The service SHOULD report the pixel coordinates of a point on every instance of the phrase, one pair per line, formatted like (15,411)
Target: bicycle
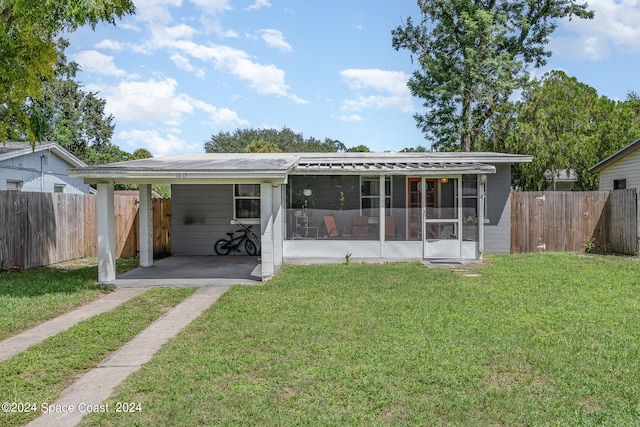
(251,242)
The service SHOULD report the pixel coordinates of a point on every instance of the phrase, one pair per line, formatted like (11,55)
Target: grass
(548,339)
(39,294)
(39,374)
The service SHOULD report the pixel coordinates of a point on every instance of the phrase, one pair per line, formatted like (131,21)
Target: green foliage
(563,124)
(359,149)
(472,56)
(262,146)
(74,118)
(285,140)
(28,29)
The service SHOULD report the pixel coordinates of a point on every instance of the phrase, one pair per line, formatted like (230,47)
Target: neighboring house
(42,169)
(620,170)
(318,207)
(564,180)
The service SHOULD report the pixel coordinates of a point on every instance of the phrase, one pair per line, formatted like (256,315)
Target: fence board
(44,228)
(563,221)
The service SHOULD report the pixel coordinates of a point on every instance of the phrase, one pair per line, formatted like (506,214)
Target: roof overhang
(222,168)
(615,156)
(39,147)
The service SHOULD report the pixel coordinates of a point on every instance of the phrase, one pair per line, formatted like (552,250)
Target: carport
(176,271)
(203,180)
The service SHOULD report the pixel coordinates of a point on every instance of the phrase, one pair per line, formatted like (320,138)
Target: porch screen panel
(442,209)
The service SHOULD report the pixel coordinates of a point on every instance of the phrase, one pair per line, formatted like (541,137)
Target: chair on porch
(360,226)
(390,229)
(332,228)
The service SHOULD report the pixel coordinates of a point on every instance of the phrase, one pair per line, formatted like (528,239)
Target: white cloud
(389,90)
(110,45)
(353,118)
(275,38)
(157,101)
(613,29)
(153,141)
(264,79)
(184,64)
(259,4)
(95,62)
(156,11)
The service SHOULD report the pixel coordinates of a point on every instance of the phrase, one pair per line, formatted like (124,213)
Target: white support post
(381,221)
(482,200)
(106,234)
(145,218)
(278,225)
(266,227)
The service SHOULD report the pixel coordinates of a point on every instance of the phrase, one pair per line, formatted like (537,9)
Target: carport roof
(276,166)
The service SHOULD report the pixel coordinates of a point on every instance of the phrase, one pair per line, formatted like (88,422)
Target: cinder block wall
(497,232)
(200,215)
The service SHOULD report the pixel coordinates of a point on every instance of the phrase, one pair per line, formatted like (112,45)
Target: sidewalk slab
(91,389)
(18,343)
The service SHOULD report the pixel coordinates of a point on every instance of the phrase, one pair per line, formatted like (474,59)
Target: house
(43,169)
(621,169)
(564,179)
(316,207)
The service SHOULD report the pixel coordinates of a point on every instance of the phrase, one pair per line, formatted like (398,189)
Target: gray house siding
(627,167)
(38,173)
(200,215)
(497,229)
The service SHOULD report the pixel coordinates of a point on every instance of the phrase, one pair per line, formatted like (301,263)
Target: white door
(442,217)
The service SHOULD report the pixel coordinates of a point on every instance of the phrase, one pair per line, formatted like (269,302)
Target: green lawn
(549,339)
(39,374)
(39,294)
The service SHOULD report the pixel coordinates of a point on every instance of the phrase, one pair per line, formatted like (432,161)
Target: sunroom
(384,208)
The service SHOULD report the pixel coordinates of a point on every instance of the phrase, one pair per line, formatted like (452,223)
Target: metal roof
(278,166)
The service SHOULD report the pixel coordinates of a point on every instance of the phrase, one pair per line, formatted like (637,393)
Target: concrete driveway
(194,271)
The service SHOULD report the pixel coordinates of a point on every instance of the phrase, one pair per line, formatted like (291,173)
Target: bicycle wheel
(250,247)
(222,247)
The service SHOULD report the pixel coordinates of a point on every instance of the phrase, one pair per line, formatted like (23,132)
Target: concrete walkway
(91,389)
(19,343)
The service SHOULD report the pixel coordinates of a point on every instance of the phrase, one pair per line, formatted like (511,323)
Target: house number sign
(181,175)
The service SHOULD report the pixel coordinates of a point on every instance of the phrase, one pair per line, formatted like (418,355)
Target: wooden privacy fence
(555,221)
(39,229)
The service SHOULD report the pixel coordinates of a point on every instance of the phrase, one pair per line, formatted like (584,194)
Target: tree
(28,29)
(261,146)
(359,149)
(285,140)
(563,124)
(72,117)
(473,55)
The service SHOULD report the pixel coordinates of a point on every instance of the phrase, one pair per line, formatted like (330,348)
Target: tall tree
(285,140)
(473,54)
(28,29)
(563,124)
(72,117)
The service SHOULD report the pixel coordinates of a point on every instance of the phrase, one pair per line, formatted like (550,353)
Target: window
(619,184)
(58,188)
(370,196)
(14,185)
(246,201)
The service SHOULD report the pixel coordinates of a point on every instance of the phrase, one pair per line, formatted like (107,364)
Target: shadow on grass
(64,278)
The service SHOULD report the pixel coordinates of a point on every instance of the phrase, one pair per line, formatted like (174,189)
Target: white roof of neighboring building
(10,150)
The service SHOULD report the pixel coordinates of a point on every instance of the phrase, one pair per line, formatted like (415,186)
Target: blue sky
(180,71)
